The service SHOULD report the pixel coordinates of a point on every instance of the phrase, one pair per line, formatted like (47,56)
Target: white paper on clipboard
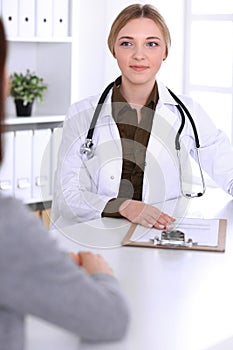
(202,231)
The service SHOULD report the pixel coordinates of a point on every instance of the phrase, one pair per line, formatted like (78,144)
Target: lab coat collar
(164,98)
(106,110)
(164,95)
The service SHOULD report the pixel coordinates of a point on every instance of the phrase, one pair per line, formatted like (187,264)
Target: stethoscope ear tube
(181,104)
(87,148)
(177,139)
(97,111)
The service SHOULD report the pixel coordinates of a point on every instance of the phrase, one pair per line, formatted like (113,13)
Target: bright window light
(211,53)
(212,7)
(219,108)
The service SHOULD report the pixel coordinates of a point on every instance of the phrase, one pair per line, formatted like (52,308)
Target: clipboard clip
(173,238)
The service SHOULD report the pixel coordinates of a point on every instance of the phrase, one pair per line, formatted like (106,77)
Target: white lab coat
(83,187)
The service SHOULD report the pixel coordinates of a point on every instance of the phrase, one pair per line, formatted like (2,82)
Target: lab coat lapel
(161,180)
(105,166)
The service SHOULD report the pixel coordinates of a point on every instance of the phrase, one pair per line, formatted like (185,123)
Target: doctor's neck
(136,94)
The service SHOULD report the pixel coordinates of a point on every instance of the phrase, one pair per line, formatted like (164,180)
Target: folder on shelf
(60,18)
(23,163)
(44,17)
(10,16)
(55,144)
(187,234)
(41,164)
(7,166)
(26,18)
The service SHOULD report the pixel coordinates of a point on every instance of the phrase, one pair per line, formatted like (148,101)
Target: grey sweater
(38,279)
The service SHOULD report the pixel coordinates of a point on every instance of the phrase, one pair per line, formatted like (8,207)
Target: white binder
(60,18)
(23,164)
(26,18)
(7,166)
(56,141)
(44,17)
(10,16)
(41,164)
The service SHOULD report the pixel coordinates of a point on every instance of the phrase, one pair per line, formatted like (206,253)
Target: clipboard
(211,244)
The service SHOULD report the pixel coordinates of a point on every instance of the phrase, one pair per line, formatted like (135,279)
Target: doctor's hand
(91,263)
(145,214)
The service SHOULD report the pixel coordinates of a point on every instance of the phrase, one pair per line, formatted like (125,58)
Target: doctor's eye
(126,43)
(152,44)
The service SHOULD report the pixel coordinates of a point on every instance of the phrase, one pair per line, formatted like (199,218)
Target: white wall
(89,48)
(95,65)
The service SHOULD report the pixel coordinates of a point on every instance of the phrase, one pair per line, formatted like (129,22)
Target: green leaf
(27,87)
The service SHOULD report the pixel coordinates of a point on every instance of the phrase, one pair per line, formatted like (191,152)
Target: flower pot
(21,110)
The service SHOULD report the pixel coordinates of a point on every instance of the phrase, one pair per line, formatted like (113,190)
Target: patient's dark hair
(3,50)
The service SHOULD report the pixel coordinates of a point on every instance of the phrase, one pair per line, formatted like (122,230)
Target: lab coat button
(112,177)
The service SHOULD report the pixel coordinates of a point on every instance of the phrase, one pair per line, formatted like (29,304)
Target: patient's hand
(145,214)
(91,263)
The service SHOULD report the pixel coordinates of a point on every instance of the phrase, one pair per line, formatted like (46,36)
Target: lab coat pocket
(105,175)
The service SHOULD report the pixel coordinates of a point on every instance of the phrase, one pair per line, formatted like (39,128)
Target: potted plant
(25,88)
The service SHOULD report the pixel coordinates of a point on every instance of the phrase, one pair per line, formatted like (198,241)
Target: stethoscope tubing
(182,108)
(88,147)
(180,105)
(97,111)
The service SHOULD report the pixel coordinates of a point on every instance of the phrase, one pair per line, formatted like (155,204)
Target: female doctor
(133,161)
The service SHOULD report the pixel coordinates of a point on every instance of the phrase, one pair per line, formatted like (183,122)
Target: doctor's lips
(138,68)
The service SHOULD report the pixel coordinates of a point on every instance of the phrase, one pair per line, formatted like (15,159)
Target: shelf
(40,205)
(55,40)
(33,123)
(35,119)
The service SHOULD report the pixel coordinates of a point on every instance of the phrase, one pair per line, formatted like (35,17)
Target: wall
(95,65)
(89,47)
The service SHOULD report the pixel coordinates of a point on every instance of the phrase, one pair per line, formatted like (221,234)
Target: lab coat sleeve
(76,196)
(216,151)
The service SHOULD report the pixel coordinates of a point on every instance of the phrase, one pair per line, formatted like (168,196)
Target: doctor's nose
(139,52)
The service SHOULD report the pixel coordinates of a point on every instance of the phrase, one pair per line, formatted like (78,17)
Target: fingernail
(170,226)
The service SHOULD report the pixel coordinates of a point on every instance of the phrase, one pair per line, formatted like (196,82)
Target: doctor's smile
(139,68)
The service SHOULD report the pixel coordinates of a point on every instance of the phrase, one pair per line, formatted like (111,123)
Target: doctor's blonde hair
(137,11)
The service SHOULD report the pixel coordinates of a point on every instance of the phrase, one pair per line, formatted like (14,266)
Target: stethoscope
(87,148)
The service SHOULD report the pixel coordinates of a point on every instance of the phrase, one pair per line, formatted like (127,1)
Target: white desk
(180,300)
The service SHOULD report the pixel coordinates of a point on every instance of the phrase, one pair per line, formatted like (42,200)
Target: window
(208,58)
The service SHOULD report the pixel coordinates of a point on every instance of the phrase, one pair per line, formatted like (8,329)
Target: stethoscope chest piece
(87,148)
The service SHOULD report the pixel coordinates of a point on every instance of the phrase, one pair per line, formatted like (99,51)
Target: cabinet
(30,159)
(40,38)
(50,60)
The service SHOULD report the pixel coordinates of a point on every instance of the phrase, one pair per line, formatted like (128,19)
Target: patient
(76,292)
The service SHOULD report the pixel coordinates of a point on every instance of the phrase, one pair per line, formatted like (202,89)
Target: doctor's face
(140,50)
